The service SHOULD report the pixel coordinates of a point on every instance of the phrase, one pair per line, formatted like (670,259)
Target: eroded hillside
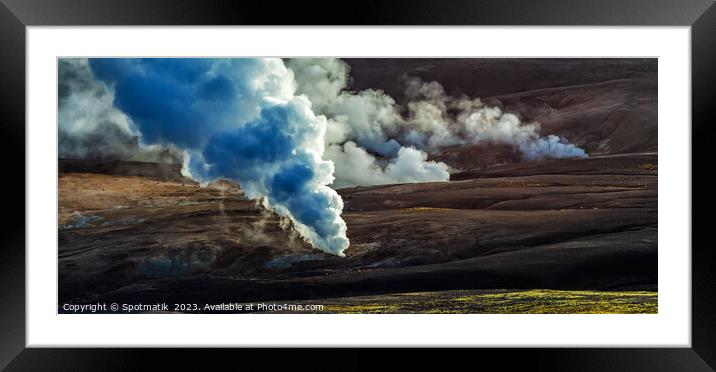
(588,223)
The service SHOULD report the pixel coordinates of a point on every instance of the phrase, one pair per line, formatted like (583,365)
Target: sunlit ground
(536,301)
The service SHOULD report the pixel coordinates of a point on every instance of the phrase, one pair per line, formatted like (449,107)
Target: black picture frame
(16,15)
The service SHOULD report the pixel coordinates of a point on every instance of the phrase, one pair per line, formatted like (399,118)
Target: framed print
(467,175)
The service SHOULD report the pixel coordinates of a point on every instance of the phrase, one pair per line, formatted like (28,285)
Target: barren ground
(588,224)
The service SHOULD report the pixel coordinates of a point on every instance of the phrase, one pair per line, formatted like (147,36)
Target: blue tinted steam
(239,120)
(167,98)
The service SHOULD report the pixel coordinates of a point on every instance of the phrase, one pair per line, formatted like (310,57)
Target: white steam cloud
(374,140)
(239,120)
(358,167)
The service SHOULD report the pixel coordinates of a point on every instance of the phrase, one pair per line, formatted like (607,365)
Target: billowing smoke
(237,119)
(436,120)
(363,136)
(284,130)
(369,136)
(90,127)
(374,140)
(359,167)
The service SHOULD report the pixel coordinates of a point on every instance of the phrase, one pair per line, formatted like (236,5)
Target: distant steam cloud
(363,135)
(237,119)
(358,167)
(369,134)
(432,126)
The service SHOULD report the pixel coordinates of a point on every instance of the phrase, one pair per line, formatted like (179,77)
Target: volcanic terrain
(503,235)
(560,224)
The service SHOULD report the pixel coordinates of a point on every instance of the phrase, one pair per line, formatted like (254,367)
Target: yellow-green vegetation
(649,166)
(536,301)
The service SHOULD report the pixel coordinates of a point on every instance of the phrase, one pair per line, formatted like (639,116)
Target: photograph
(279,185)
(235,181)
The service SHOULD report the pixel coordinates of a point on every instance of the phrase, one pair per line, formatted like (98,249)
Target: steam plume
(237,119)
(367,126)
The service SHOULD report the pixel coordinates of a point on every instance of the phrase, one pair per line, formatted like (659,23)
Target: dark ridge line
(571,237)
(631,228)
(551,194)
(469,178)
